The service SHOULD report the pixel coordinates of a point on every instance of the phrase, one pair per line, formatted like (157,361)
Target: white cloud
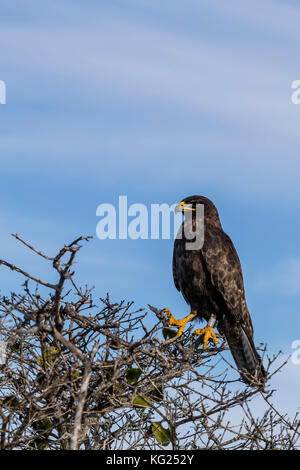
(230,99)
(284,278)
(211,77)
(271,16)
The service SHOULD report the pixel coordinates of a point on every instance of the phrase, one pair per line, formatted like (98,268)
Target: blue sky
(156,101)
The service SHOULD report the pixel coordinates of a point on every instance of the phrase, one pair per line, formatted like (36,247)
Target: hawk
(211,281)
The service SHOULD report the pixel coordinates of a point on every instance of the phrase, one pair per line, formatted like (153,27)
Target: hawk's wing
(174,269)
(224,268)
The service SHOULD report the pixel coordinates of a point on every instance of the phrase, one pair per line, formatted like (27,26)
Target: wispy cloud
(283,278)
(149,63)
(131,89)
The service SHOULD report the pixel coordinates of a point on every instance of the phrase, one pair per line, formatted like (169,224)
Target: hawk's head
(210,211)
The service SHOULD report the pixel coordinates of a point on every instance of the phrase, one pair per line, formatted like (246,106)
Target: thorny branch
(78,373)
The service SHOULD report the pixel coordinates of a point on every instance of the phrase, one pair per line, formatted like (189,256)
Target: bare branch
(87,373)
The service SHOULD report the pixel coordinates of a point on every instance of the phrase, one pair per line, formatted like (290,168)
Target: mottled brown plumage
(211,281)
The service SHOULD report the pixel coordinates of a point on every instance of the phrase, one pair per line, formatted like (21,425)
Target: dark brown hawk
(211,281)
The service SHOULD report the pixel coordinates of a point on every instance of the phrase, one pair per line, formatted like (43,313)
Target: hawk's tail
(245,355)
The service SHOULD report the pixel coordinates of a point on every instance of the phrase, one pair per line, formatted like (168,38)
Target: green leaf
(141,402)
(157,394)
(15,347)
(121,387)
(117,387)
(49,356)
(133,375)
(169,333)
(39,443)
(162,435)
(40,378)
(10,401)
(42,425)
(42,445)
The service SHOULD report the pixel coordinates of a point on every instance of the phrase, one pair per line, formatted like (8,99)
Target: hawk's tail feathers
(246,358)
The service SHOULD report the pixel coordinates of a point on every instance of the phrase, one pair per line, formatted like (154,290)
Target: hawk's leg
(208,332)
(179,323)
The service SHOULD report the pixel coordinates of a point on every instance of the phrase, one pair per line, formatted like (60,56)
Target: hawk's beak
(179,207)
(183,207)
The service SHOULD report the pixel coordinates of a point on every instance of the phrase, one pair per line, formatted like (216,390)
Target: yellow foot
(209,334)
(179,323)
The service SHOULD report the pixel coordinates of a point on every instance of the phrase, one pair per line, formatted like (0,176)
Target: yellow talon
(209,334)
(179,323)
